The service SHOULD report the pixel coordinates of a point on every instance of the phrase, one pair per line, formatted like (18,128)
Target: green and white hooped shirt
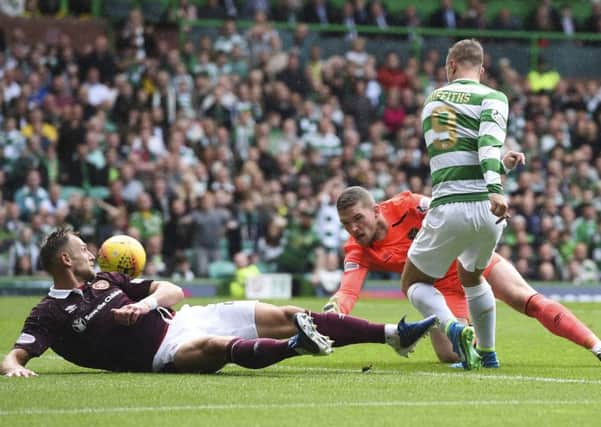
(464,125)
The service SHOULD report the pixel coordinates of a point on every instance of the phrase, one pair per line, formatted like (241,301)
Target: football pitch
(543,380)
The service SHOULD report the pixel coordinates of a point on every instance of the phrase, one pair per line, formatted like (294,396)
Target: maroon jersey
(79,326)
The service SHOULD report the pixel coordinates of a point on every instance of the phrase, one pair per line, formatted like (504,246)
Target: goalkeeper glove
(331,307)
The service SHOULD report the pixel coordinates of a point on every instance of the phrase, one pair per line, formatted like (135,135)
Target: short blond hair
(467,52)
(353,195)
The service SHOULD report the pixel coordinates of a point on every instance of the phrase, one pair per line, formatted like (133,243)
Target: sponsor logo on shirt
(498,119)
(25,339)
(81,323)
(350,266)
(101,285)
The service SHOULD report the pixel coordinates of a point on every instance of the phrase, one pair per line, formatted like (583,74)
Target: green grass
(544,381)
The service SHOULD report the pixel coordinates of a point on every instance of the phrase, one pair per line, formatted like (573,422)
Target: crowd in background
(542,16)
(236,149)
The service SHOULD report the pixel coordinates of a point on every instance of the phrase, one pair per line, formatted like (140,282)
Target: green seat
(117,10)
(155,10)
(221,269)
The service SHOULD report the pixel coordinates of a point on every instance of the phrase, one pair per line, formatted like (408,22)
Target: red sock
(560,321)
(258,353)
(345,330)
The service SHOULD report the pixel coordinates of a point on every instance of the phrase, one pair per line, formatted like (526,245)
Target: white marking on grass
(458,374)
(298,405)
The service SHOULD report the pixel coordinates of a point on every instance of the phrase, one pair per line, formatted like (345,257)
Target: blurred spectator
(348,20)
(229,38)
(182,271)
(474,16)
(391,74)
(445,16)
(271,245)
(582,268)
(31,196)
(326,278)
(245,269)
(379,17)
(410,17)
(23,254)
(543,78)
(155,264)
(101,59)
(208,229)
(544,17)
(566,21)
(287,11)
(505,20)
(319,12)
(212,9)
(145,219)
(137,37)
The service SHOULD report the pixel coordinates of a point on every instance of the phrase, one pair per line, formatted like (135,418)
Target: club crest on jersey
(71,308)
(101,285)
(79,325)
(350,266)
(412,233)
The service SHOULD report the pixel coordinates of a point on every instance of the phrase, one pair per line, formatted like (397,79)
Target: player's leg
(278,322)
(510,287)
(450,287)
(471,264)
(482,309)
(275,322)
(434,249)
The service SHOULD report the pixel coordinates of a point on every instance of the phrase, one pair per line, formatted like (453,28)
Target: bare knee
(290,310)
(412,274)
(204,355)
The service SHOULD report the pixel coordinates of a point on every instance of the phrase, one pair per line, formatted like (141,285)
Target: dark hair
(52,245)
(353,195)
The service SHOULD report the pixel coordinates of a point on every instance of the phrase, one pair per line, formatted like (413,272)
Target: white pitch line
(459,373)
(270,406)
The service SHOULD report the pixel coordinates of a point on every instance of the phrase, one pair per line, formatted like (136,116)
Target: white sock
(597,348)
(482,306)
(390,330)
(428,301)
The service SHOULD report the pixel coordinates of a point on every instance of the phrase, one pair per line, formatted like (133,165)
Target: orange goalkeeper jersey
(404,214)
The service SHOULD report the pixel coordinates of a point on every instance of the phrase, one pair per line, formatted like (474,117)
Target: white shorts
(463,230)
(235,319)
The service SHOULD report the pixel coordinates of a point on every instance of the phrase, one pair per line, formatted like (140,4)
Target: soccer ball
(123,254)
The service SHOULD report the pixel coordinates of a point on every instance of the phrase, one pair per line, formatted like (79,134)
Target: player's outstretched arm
(162,293)
(14,363)
(347,295)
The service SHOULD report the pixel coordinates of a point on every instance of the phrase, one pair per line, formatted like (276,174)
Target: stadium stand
(247,124)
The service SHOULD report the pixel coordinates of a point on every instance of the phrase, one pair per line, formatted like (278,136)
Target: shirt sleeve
(491,136)
(135,289)
(351,283)
(37,333)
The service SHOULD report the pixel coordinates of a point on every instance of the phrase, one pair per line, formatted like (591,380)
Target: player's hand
(511,159)
(331,307)
(20,371)
(129,314)
(498,205)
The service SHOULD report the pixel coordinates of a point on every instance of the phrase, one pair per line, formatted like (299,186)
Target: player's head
(63,250)
(465,60)
(359,214)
